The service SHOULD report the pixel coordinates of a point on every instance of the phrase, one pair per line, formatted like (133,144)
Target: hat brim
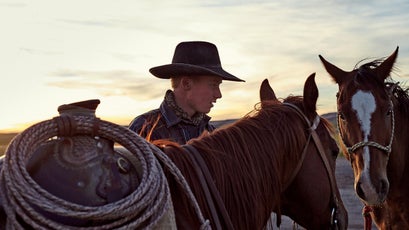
(180,69)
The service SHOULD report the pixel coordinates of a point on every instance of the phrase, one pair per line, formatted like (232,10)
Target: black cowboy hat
(194,58)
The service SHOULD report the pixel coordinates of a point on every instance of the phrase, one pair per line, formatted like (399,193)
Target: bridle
(313,134)
(386,148)
(213,197)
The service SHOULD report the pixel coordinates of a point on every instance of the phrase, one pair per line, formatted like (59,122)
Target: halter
(387,148)
(318,144)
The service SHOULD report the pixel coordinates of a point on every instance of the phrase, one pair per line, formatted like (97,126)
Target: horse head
(366,123)
(315,207)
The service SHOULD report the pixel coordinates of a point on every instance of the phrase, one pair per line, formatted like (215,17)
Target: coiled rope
(144,207)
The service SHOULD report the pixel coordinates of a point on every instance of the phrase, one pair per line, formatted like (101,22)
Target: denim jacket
(169,126)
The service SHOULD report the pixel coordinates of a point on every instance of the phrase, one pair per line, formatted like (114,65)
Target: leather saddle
(82,169)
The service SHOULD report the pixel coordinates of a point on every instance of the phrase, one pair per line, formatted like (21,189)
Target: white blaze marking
(364,105)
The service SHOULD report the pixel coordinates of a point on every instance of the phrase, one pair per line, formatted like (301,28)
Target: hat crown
(194,58)
(197,53)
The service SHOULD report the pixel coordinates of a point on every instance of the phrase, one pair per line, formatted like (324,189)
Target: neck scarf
(171,102)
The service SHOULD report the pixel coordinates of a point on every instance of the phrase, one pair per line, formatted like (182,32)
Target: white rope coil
(144,207)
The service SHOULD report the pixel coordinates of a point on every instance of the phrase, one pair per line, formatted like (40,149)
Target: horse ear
(266,92)
(384,69)
(336,73)
(310,96)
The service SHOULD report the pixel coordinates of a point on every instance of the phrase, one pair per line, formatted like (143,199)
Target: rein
(318,144)
(367,217)
(212,194)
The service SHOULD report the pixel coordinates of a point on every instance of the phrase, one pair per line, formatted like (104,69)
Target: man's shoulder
(141,119)
(149,113)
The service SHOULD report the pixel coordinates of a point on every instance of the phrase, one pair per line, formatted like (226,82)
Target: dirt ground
(345,180)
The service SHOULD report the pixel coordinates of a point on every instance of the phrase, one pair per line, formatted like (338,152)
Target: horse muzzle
(372,192)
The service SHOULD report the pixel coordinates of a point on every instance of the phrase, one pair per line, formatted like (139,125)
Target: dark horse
(265,162)
(373,115)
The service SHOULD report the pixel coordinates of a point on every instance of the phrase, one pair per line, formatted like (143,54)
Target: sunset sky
(57,52)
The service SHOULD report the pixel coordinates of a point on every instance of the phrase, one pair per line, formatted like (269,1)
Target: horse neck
(398,166)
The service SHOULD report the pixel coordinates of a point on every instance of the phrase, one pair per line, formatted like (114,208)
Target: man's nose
(218,93)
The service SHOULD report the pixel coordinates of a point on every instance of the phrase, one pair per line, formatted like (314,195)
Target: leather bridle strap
(323,157)
(329,171)
(212,194)
(298,167)
(318,144)
(324,160)
(386,148)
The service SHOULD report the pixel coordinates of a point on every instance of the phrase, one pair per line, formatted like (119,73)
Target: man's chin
(206,111)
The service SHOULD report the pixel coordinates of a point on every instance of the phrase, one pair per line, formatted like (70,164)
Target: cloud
(13,4)
(93,23)
(39,51)
(109,83)
(105,48)
(130,58)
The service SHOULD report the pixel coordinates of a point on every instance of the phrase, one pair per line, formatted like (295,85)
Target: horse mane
(401,94)
(365,72)
(250,156)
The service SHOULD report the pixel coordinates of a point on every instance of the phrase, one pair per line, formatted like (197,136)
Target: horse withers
(265,162)
(373,115)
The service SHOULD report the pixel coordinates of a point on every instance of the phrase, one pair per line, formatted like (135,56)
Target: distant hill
(332,117)
(220,123)
(5,138)
(329,116)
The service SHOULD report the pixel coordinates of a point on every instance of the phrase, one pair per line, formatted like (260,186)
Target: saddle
(81,164)
(82,169)
(76,170)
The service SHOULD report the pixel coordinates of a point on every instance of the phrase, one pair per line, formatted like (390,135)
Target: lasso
(144,207)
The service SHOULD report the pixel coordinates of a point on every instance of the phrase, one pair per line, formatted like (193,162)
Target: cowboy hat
(194,58)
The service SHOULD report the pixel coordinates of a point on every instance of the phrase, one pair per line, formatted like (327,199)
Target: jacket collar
(172,119)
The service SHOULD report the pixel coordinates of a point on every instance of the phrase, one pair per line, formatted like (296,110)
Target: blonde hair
(175,81)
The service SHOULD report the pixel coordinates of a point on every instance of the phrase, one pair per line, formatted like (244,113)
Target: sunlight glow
(62,52)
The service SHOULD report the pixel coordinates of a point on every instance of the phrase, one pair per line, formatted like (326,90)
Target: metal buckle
(334,220)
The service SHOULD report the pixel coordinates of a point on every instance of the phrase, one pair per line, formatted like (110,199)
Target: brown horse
(373,115)
(280,158)
(265,162)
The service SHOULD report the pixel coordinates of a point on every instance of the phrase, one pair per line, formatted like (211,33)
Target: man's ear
(186,83)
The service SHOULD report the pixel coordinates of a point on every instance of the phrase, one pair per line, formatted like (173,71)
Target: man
(195,74)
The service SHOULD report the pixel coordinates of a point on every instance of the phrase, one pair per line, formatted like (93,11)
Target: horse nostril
(359,190)
(384,187)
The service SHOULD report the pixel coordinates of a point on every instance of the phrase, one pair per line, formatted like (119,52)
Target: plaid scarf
(171,102)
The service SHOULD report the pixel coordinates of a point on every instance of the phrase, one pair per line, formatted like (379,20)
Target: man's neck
(182,103)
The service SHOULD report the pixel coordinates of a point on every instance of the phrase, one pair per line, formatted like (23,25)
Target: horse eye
(389,112)
(335,153)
